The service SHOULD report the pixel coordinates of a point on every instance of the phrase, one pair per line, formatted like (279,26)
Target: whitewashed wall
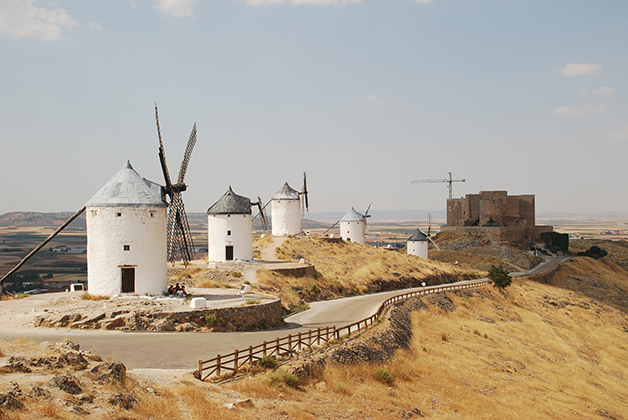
(107,233)
(353,231)
(418,248)
(241,237)
(286,217)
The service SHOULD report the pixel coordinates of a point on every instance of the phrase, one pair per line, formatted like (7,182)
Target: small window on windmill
(127,247)
(228,215)
(228,233)
(118,214)
(152,214)
(94,213)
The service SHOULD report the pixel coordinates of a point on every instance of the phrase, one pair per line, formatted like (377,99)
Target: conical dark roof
(418,236)
(286,193)
(127,188)
(231,203)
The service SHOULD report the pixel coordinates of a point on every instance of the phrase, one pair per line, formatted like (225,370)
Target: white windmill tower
(417,244)
(126,237)
(353,226)
(229,228)
(288,206)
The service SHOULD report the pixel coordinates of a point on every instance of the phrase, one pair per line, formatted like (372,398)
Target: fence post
(264,349)
(277,348)
(299,345)
(309,338)
(235,362)
(218,365)
(200,370)
(336,333)
(289,342)
(251,355)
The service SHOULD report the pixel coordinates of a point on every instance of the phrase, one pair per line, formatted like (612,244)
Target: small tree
(499,276)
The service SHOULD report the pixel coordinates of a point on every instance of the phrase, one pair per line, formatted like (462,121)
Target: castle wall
(491,209)
(455,211)
(504,234)
(526,209)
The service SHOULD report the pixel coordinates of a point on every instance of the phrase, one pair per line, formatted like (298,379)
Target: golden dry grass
(347,268)
(537,352)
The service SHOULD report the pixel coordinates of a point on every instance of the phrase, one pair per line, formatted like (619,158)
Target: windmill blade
(40,246)
(331,227)
(304,192)
(366,213)
(186,243)
(162,154)
(187,155)
(179,235)
(263,208)
(261,213)
(429,224)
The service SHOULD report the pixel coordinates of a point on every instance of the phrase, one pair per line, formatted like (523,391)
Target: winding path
(143,350)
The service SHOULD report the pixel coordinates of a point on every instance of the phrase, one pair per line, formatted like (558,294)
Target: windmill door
(128,280)
(229,253)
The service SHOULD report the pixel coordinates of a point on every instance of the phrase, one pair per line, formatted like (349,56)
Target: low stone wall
(308,271)
(545,277)
(500,233)
(235,318)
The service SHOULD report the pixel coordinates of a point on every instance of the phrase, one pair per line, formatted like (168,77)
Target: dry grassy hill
(347,268)
(538,351)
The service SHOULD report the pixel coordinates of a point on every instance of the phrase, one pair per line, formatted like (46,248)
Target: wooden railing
(291,344)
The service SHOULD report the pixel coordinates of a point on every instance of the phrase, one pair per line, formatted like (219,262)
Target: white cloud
(176,8)
(20,19)
(263,2)
(621,133)
(423,1)
(95,25)
(583,111)
(605,90)
(581,69)
(373,100)
(584,90)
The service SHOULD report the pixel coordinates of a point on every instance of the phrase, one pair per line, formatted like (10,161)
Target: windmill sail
(179,236)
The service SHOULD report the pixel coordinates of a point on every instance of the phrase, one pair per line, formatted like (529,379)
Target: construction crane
(447,180)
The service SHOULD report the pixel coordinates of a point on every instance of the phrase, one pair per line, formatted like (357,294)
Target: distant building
(229,228)
(353,226)
(494,215)
(286,212)
(417,244)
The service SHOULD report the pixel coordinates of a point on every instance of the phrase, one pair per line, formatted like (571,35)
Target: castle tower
(286,212)
(417,244)
(229,228)
(126,237)
(352,227)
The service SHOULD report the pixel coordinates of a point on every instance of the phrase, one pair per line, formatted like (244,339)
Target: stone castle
(494,215)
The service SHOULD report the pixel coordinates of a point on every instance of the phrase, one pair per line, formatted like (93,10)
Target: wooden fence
(293,343)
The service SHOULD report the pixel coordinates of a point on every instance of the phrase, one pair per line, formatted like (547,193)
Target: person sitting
(183,292)
(170,290)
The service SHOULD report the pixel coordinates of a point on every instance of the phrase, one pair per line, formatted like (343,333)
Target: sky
(528,96)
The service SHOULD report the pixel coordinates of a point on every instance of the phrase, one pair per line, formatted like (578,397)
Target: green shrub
(499,276)
(556,241)
(211,319)
(594,252)
(268,362)
(382,375)
(282,378)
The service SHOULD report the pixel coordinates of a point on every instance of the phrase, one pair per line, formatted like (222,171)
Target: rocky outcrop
(237,318)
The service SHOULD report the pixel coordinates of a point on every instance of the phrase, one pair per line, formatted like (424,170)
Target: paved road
(183,350)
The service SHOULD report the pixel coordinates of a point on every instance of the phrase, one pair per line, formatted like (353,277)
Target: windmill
(429,228)
(179,237)
(353,217)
